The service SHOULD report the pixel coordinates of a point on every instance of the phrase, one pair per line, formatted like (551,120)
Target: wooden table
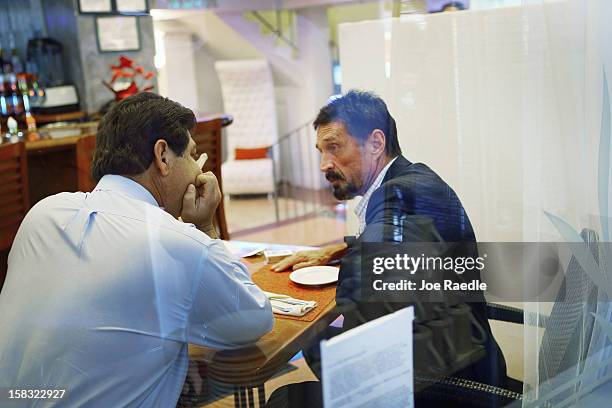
(43,118)
(242,370)
(45,145)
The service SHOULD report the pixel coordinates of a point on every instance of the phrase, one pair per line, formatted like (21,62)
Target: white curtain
(509,106)
(565,83)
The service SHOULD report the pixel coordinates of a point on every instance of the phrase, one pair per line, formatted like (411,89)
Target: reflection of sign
(371,365)
(95,6)
(118,34)
(186,4)
(127,6)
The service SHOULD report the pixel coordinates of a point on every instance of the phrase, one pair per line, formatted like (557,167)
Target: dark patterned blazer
(413,204)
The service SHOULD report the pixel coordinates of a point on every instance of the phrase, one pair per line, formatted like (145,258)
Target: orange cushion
(250,154)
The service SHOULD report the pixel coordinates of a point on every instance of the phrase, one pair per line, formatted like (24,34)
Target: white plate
(315,275)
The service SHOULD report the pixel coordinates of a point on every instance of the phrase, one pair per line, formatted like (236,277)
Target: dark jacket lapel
(396,168)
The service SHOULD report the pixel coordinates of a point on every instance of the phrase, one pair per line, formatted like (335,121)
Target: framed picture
(95,6)
(114,7)
(118,33)
(132,6)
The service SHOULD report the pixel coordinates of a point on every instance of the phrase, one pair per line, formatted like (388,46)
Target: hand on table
(200,201)
(314,257)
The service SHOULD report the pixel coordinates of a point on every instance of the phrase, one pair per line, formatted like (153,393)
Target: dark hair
(128,132)
(361,112)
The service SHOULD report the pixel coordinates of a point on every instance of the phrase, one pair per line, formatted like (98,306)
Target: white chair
(248,95)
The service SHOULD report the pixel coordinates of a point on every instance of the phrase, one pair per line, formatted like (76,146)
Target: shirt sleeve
(228,310)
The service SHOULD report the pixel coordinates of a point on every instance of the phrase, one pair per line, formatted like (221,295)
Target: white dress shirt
(362,205)
(103,292)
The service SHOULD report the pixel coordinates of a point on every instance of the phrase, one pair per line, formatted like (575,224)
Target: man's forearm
(336,251)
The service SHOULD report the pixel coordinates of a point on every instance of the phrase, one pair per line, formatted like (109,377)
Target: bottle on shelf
(19,86)
(17,106)
(32,132)
(7,93)
(13,135)
(8,135)
(32,88)
(24,91)
(4,103)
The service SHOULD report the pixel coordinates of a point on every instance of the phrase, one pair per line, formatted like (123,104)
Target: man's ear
(376,142)
(161,157)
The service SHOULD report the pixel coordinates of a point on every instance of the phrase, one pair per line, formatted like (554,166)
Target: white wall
(492,103)
(211,40)
(312,92)
(302,83)
(488,4)
(180,69)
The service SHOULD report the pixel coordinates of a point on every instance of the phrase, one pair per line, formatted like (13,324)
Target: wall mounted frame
(118,33)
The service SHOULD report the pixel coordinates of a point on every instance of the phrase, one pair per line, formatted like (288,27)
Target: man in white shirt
(105,290)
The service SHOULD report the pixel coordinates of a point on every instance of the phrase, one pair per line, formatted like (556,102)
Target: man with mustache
(401,202)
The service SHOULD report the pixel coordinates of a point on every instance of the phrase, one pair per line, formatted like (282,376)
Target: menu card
(370,365)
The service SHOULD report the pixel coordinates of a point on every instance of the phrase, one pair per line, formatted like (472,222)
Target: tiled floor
(244,213)
(315,230)
(303,223)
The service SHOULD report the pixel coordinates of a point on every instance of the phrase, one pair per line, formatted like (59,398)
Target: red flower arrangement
(128,79)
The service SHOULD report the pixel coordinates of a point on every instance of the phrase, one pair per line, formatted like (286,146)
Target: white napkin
(286,305)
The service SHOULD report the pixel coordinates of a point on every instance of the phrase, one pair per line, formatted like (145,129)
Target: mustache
(333,176)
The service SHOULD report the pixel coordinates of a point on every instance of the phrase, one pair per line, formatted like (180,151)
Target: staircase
(283,58)
(280,23)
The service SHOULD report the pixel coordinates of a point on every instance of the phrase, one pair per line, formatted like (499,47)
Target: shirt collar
(112,182)
(363,203)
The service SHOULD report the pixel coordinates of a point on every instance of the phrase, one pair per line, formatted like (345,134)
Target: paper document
(371,365)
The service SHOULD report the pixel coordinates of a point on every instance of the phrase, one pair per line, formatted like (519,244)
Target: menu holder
(370,365)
